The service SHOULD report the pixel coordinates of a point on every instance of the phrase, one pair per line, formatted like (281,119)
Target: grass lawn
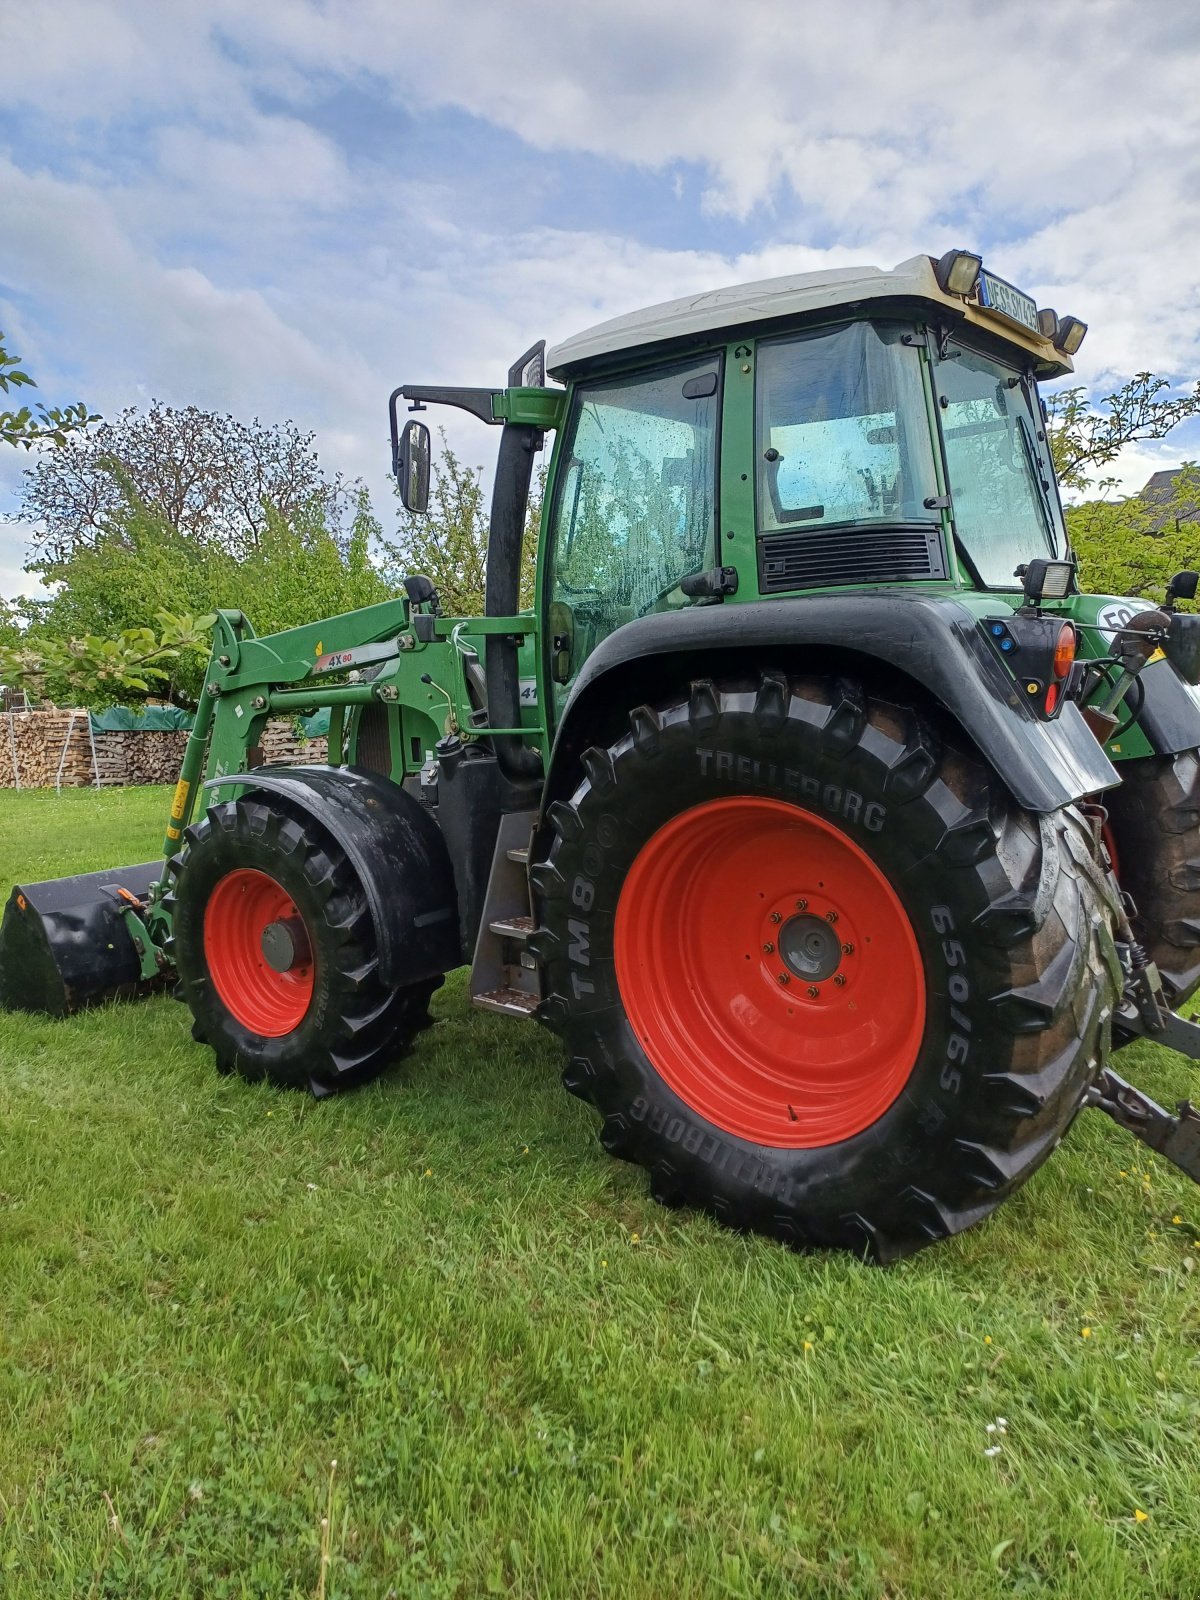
(533,1380)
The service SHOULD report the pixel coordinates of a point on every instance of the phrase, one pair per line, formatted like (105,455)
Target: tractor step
(509,1002)
(504,973)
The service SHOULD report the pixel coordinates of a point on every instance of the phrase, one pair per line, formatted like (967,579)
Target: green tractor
(838,836)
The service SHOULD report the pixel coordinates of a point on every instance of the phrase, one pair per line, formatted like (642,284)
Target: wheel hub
(285,944)
(810,948)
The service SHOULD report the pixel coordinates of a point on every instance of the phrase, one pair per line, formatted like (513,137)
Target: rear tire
(985,945)
(1155,821)
(328,1022)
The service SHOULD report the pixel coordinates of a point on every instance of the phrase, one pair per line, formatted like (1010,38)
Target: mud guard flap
(64,943)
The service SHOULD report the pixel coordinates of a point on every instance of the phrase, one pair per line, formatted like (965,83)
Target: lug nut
(831,916)
(777,916)
(801,905)
(813,991)
(768,949)
(839,978)
(847,949)
(785,977)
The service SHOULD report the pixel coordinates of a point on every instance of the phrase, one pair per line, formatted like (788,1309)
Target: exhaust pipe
(67,943)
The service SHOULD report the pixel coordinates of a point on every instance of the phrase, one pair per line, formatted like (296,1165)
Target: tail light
(1064,656)
(1039,651)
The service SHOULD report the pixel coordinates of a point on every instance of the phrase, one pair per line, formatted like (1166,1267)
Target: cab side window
(635,508)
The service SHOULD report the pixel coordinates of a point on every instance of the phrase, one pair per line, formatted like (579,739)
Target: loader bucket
(64,944)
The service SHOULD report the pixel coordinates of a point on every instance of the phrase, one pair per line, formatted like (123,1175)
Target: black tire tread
(374,1024)
(1044,934)
(1155,819)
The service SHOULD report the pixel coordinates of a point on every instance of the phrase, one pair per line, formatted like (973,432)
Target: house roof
(1160,490)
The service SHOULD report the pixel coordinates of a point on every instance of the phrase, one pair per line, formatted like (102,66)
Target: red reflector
(1052,696)
(1064,652)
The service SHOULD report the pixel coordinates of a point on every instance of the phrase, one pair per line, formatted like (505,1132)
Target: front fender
(396,849)
(931,639)
(1169,715)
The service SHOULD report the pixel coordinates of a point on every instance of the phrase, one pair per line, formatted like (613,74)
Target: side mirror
(412,467)
(1181,587)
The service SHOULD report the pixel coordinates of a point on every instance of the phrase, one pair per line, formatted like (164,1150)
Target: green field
(533,1380)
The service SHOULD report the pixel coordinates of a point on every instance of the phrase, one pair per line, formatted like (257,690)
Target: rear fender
(397,851)
(935,642)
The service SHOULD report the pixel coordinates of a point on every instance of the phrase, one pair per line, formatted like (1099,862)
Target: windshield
(1000,478)
(843,430)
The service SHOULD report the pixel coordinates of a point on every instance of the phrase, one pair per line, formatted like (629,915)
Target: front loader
(839,836)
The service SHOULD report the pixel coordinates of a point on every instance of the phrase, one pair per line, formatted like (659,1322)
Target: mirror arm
(479,402)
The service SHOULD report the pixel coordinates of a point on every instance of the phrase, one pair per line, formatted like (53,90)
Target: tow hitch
(1144,1013)
(1175,1137)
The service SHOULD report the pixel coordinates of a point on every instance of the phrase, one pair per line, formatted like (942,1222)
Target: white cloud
(183,216)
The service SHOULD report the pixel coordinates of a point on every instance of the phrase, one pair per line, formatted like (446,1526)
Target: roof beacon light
(1071,334)
(1047,580)
(958,272)
(1048,323)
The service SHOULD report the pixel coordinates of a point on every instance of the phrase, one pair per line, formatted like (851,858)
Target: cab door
(634,507)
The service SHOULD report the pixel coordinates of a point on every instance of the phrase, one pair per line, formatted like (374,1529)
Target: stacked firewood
(32,751)
(283,745)
(139,756)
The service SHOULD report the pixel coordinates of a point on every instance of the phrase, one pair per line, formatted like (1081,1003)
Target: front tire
(276,952)
(1155,820)
(904,1077)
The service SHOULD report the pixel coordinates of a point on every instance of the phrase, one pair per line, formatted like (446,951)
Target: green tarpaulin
(167,719)
(155,719)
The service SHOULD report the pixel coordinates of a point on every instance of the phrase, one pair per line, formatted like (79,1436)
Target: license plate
(1006,301)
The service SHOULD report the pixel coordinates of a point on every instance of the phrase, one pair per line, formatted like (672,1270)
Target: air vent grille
(829,557)
(374,748)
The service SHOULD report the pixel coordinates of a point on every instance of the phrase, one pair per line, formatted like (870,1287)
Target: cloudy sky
(283,209)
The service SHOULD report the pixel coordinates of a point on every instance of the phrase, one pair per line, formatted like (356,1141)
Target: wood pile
(31,748)
(139,757)
(282,745)
(31,751)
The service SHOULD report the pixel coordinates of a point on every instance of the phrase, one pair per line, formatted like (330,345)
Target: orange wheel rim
(258,954)
(770,972)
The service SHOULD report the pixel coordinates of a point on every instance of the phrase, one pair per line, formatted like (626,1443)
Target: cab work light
(1070,335)
(958,272)
(1046,580)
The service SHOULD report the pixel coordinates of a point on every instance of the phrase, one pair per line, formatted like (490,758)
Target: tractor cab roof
(806,295)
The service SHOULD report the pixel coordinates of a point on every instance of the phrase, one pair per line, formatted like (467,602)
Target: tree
(102,670)
(1131,546)
(1083,438)
(204,476)
(49,425)
(91,642)
(449,542)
